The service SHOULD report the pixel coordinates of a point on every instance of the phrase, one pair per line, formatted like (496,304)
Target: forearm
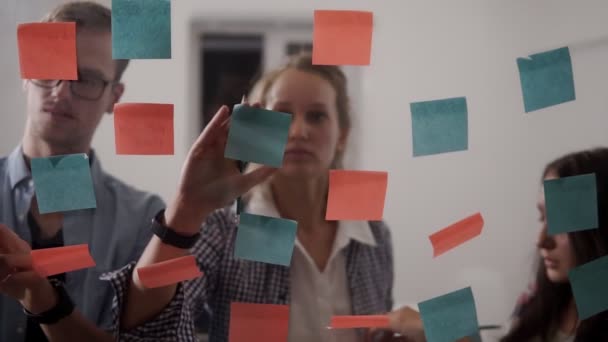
(143,304)
(76,328)
(73,327)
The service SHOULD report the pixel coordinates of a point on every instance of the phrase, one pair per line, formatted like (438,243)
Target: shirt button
(20,330)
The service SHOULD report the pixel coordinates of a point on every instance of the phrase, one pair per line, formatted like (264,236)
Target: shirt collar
(261,202)
(18,170)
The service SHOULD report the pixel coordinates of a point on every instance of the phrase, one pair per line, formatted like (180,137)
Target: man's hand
(17,276)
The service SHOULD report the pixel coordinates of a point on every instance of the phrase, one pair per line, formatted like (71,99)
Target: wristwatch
(62,309)
(170,236)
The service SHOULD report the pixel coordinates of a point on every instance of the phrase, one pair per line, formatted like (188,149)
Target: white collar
(261,202)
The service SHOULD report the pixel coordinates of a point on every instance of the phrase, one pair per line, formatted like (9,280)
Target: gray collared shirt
(117,231)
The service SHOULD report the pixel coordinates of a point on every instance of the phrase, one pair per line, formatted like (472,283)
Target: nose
(62,90)
(545,241)
(298,128)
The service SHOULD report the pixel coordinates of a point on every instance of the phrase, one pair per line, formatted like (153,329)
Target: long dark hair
(541,315)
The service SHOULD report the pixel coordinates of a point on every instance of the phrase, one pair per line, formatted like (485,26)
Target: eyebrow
(93,72)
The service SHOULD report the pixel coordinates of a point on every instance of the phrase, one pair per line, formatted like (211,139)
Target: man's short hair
(87,15)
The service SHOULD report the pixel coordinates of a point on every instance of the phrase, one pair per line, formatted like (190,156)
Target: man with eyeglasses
(62,117)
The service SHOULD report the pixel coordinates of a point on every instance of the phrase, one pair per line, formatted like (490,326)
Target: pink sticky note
(47,51)
(169,272)
(143,128)
(356,195)
(51,261)
(456,234)
(258,322)
(342,37)
(354,322)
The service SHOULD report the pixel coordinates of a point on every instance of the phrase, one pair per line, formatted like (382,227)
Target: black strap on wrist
(169,236)
(62,309)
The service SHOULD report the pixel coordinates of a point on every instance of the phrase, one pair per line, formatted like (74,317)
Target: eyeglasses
(87,88)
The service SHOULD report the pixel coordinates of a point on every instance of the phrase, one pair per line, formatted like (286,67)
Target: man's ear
(117,91)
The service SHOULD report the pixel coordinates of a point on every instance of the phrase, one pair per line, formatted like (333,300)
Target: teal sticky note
(257,135)
(63,183)
(449,317)
(141,29)
(265,239)
(439,126)
(589,284)
(571,204)
(546,79)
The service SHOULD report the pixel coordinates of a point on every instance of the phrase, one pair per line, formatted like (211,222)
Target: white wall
(423,49)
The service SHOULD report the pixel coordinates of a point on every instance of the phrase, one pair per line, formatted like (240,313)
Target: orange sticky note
(356,195)
(169,272)
(258,322)
(456,234)
(354,322)
(143,128)
(51,261)
(342,37)
(47,51)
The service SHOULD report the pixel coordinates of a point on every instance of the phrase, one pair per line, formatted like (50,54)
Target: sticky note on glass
(51,261)
(589,283)
(63,183)
(143,128)
(354,322)
(141,29)
(546,79)
(265,239)
(439,126)
(47,51)
(449,317)
(342,37)
(356,195)
(257,135)
(571,204)
(169,272)
(456,234)
(258,322)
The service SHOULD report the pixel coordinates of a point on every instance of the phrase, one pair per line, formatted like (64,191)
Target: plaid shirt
(227,279)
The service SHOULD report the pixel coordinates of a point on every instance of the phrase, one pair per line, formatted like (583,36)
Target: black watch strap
(169,236)
(62,309)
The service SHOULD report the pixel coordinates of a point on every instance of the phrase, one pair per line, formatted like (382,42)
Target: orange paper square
(356,195)
(51,261)
(354,322)
(258,322)
(47,51)
(456,234)
(143,128)
(342,37)
(169,272)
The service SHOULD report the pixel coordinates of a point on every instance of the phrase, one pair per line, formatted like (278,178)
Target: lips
(297,152)
(550,263)
(58,113)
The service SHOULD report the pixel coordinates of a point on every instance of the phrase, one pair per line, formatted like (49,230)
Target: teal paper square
(449,317)
(141,29)
(439,126)
(63,183)
(258,135)
(590,287)
(265,239)
(571,204)
(546,79)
